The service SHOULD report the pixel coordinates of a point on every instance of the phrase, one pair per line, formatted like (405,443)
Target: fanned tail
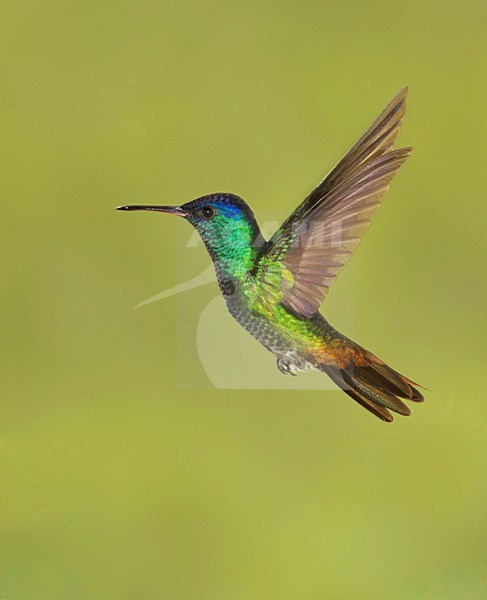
(374,385)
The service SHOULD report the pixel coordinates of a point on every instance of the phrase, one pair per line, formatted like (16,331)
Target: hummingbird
(274,288)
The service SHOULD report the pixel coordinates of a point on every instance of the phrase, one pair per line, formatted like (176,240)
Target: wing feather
(315,242)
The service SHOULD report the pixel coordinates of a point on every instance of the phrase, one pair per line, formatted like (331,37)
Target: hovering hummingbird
(274,288)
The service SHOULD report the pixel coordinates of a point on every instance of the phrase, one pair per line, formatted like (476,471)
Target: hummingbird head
(226,225)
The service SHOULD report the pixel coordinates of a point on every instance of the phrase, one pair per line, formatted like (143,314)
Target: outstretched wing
(304,256)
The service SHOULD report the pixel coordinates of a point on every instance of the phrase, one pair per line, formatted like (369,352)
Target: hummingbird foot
(292,365)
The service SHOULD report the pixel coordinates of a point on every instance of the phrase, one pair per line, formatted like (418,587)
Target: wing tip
(403,92)
(399,98)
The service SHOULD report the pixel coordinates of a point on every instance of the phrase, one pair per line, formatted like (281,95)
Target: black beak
(172,210)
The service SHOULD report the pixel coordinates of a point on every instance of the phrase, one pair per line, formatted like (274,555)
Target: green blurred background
(118,481)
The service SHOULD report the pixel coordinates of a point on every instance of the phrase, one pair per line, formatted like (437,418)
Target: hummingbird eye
(207,212)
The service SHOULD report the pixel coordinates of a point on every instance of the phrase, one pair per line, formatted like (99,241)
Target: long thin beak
(172,210)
